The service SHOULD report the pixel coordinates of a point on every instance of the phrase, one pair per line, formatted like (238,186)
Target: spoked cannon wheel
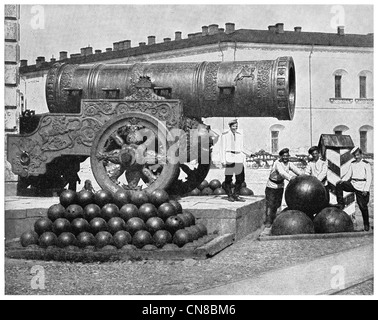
(134,152)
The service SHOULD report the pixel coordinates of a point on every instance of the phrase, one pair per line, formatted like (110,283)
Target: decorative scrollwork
(28,157)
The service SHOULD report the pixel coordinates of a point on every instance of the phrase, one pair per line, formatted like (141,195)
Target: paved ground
(244,259)
(365,288)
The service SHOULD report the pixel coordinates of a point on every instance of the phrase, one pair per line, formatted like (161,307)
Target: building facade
(334,79)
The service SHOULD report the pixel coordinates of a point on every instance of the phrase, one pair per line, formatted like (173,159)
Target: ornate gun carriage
(141,124)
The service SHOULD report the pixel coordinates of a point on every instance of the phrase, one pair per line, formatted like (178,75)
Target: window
(274,135)
(340,129)
(337,86)
(362,87)
(363,141)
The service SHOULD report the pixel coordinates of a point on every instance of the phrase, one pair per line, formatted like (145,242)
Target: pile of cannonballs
(217,188)
(101,220)
(308,210)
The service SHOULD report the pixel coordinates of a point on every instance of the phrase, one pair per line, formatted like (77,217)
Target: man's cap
(232,122)
(312,149)
(285,150)
(355,149)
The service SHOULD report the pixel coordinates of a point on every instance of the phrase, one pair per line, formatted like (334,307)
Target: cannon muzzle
(263,88)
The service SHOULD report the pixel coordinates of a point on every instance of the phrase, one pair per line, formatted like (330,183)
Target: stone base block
(222,216)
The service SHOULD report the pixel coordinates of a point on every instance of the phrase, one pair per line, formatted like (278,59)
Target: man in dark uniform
(233,155)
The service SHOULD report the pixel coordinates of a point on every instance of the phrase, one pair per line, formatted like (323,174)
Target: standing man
(318,168)
(232,156)
(281,171)
(358,180)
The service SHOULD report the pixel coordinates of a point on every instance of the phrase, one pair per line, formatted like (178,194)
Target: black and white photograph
(195,151)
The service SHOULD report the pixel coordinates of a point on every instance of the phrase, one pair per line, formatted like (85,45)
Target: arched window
(366,138)
(341,129)
(365,79)
(338,76)
(275,136)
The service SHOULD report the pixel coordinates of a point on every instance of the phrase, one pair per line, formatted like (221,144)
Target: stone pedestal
(218,214)
(22,212)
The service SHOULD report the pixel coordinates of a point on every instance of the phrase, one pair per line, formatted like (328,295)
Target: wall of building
(11,75)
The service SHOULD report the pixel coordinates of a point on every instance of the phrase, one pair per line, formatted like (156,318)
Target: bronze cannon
(141,124)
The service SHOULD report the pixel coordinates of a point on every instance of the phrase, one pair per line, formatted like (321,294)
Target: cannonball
(292,222)
(333,220)
(307,194)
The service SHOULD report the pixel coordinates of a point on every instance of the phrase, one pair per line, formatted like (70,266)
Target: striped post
(338,164)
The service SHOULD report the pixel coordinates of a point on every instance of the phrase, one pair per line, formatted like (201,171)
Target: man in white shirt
(232,156)
(317,167)
(282,170)
(358,180)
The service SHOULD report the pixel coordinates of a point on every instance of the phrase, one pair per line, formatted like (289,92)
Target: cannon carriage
(141,124)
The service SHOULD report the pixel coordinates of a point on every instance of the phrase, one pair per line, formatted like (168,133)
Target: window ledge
(341,100)
(364,100)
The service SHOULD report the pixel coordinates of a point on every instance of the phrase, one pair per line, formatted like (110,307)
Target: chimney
(221,30)
(340,30)
(63,55)
(213,29)
(52,60)
(297,29)
(127,44)
(279,27)
(178,35)
(88,51)
(115,46)
(108,49)
(97,51)
(141,44)
(82,51)
(205,30)
(272,28)
(23,63)
(230,27)
(151,40)
(167,39)
(75,55)
(39,61)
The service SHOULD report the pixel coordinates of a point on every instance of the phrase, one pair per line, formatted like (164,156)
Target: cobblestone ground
(246,258)
(363,289)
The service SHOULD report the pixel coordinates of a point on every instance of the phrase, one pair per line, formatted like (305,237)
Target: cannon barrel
(264,88)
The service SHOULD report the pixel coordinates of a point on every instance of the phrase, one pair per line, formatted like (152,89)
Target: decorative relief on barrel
(211,88)
(65,81)
(281,85)
(264,68)
(247,71)
(50,86)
